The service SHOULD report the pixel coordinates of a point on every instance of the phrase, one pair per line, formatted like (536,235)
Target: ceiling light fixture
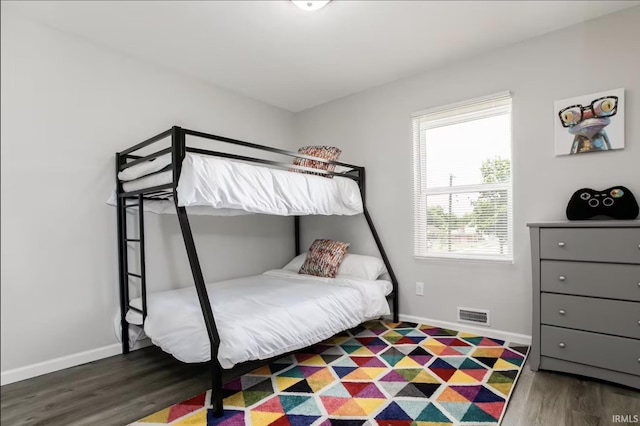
(310,4)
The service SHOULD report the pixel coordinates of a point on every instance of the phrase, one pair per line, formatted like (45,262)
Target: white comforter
(232,187)
(261,316)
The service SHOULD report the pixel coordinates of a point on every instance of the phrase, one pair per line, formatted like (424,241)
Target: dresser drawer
(598,350)
(620,245)
(589,314)
(613,281)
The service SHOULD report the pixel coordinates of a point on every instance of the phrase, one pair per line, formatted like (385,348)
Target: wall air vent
(474,316)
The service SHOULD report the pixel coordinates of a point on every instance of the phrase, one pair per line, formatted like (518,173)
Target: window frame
(445,116)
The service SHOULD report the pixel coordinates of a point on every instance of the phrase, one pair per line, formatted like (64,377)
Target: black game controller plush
(616,203)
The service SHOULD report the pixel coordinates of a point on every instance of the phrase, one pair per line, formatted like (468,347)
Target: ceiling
(294,59)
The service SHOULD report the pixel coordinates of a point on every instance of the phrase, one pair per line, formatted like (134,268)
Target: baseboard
(57,364)
(482,331)
(34,370)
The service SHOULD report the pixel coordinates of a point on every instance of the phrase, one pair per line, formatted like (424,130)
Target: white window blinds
(462,180)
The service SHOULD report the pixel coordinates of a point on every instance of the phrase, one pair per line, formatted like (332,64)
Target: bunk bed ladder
(124,273)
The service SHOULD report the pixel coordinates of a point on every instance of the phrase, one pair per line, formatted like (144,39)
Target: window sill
(470,259)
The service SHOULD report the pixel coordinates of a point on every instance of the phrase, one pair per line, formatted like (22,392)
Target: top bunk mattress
(231,186)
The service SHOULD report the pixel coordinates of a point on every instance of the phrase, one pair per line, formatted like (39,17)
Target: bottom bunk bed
(260,317)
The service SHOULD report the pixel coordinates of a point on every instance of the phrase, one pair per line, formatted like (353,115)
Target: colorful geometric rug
(391,374)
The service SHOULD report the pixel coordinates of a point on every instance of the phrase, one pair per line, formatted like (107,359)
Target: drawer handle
(562,312)
(561,244)
(562,345)
(562,278)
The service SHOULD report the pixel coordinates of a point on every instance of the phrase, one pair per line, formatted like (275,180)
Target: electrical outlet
(419,289)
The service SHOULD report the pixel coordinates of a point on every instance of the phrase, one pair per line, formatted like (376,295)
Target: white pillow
(366,267)
(342,169)
(296,263)
(355,265)
(144,168)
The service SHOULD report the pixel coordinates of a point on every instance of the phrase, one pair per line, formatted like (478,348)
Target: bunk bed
(186,180)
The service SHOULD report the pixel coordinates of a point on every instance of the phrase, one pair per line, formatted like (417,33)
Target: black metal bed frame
(178,150)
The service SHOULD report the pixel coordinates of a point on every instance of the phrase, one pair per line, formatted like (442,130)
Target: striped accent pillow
(324,258)
(326,152)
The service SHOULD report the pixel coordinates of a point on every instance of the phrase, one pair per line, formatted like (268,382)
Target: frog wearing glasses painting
(587,123)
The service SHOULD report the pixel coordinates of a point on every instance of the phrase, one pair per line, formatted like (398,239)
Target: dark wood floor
(122,389)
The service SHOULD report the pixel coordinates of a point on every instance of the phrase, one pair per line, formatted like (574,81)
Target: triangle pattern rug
(379,373)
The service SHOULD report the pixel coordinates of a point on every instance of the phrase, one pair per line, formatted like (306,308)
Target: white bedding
(233,187)
(261,316)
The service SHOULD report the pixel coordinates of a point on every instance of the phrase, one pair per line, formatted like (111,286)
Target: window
(462,180)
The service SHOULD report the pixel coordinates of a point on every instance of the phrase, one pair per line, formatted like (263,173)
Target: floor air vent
(474,316)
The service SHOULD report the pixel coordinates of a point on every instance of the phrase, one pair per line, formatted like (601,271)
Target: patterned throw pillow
(324,258)
(326,152)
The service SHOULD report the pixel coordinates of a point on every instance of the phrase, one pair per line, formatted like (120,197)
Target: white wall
(67,107)
(374,130)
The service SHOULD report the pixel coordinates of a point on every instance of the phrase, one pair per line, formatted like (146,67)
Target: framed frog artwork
(590,123)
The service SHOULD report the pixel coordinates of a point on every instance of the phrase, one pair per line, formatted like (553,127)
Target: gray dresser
(586,299)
